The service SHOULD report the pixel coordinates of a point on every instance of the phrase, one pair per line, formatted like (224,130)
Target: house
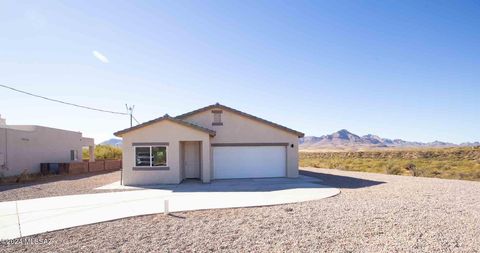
(24,147)
(213,142)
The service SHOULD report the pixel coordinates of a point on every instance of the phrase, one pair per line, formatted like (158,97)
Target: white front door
(191,161)
(249,162)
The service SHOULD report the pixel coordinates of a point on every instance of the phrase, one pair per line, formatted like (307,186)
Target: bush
(413,169)
(104,152)
(24,176)
(393,169)
(440,163)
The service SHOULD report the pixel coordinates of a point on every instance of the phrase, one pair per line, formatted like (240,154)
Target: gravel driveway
(58,186)
(374,213)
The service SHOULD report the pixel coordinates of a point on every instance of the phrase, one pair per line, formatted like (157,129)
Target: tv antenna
(130,112)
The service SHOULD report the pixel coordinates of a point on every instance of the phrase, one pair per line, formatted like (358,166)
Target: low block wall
(113,164)
(76,168)
(96,166)
(80,167)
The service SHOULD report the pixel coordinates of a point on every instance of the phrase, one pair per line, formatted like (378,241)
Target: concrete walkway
(33,216)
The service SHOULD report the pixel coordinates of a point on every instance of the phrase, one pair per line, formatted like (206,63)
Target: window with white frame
(73,155)
(151,156)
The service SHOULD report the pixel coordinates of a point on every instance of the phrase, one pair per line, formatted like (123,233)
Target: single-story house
(24,147)
(213,142)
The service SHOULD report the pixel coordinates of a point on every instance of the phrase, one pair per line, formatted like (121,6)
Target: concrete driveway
(33,216)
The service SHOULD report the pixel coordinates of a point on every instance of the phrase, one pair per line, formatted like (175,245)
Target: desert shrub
(333,164)
(476,175)
(462,175)
(446,167)
(393,169)
(458,162)
(104,152)
(24,176)
(413,169)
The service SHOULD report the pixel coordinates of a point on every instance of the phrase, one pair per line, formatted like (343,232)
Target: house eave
(166,117)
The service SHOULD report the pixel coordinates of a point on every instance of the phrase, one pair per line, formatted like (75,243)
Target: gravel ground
(58,186)
(374,213)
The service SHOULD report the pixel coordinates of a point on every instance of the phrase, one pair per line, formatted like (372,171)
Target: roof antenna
(130,112)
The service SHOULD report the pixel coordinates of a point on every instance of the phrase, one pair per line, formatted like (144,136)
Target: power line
(62,102)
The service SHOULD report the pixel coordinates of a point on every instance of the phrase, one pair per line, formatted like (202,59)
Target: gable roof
(165,117)
(226,108)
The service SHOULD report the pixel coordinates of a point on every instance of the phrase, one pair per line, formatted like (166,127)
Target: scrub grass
(449,163)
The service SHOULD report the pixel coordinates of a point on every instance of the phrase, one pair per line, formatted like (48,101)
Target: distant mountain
(112,142)
(470,144)
(345,140)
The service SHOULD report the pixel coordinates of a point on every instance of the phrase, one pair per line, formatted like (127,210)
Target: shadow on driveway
(231,185)
(341,181)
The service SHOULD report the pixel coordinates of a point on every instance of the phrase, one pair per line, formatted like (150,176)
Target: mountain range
(112,142)
(345,140)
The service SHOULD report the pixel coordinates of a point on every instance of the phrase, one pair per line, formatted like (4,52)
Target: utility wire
(62,102)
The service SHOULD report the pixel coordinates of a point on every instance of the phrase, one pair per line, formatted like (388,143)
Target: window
(151,156)
(159,156)
(73,155)
(217,118)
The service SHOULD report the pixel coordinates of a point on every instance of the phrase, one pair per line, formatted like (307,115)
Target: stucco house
(213,142)
(24,147)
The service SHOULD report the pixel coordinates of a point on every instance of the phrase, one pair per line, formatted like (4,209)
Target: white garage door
(249,162)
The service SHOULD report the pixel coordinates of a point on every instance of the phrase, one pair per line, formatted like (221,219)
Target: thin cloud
(100,57)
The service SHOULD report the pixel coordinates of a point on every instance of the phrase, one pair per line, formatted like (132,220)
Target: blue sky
(398,69)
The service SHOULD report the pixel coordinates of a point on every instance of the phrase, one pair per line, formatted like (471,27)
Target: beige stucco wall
(163,131)
(240,129)
(25,147)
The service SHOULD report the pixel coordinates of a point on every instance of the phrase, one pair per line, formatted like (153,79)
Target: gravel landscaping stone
(58,186)
(374,213)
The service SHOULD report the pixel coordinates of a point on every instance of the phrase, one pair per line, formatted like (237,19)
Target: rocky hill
(345,140)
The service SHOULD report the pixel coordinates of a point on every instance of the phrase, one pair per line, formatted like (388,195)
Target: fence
(80,167)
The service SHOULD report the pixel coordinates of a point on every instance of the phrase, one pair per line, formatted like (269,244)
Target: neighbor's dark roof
(217,105)
(166,117)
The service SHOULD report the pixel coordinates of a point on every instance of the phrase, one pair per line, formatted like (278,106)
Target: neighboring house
(214,142)
(24,147)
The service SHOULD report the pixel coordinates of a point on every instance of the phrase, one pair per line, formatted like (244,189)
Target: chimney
(3,122)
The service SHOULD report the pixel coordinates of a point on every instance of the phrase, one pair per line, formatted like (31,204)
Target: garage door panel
(249,162)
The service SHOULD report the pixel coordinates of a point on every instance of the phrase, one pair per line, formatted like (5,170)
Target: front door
(192,159)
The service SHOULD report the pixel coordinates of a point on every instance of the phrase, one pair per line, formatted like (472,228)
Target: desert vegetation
(451,163)
(104,152)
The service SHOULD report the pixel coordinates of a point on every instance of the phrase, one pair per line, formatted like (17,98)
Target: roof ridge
(181,116)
